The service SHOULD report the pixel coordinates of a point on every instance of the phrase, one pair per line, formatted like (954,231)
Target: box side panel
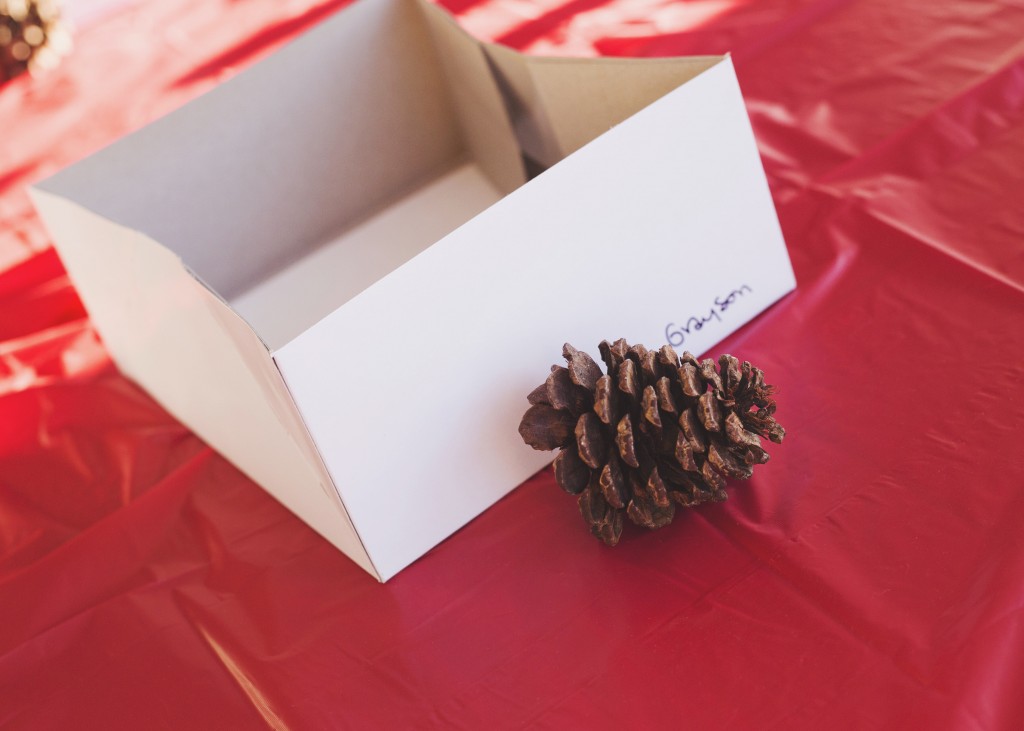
(662,228)
(199,360)
(564,103)
(481,110)
(536,138)
(286,154)
(584,98)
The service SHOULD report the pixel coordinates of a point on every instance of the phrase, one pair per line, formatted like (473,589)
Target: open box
(333,268)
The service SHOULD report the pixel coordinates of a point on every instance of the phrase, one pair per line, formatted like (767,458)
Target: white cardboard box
(333,269)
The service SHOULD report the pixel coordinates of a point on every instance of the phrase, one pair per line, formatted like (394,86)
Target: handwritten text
(676,335)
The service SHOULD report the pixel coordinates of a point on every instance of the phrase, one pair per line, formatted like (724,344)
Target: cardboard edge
(728,64)
(327,473)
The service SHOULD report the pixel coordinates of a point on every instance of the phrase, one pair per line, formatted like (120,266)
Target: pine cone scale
(709,413)
(624,441)
(545,427)
(693,431)
(582,368)
(571,474)
(603,405)
(539,395)
(684,453)
(650,407)
(564,394)
(628,378)
(663,389)
(590,440)
(613,484)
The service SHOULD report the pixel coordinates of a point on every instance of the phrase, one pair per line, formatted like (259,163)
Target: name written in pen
(676,335)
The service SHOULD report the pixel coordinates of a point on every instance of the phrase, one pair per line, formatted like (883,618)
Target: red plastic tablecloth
(872,575)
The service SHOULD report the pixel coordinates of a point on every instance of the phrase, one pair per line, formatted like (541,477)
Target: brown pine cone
(656,432)
(32,36)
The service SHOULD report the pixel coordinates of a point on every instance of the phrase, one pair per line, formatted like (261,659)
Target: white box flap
(199,359)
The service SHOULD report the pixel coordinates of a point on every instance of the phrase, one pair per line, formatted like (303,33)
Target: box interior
(328,276)
(305,179)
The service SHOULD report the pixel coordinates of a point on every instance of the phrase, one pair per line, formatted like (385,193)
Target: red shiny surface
(872,575)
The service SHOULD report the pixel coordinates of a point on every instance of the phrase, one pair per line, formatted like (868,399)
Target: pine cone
(31,36)
(655,433)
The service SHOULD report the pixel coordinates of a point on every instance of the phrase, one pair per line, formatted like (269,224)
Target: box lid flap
(199,359)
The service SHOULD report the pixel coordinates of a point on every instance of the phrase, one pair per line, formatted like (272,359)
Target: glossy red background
(872,575)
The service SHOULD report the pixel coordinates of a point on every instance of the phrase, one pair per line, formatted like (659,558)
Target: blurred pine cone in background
(32,36)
